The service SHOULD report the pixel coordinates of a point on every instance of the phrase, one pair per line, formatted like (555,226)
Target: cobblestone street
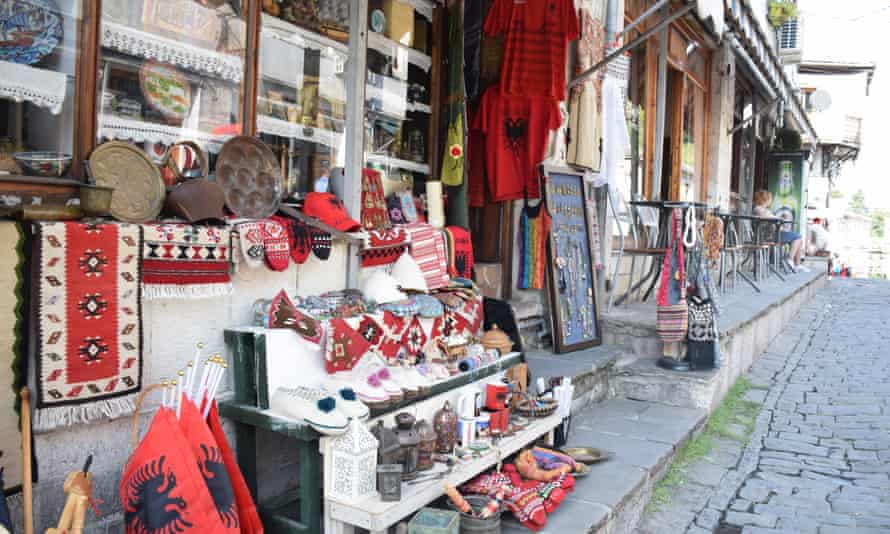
(818,460)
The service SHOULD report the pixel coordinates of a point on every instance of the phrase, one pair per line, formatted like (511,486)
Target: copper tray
(247,171)
(138,189)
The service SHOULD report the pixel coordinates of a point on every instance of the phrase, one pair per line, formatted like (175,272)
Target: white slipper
(369,392)
(349,403)
(406,379)
(314,406)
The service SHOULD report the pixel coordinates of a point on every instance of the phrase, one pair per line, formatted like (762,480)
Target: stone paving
(818,460)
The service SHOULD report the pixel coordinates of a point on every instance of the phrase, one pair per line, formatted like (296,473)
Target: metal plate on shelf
(166,90)
(138,188)
(250,176)
(31,30)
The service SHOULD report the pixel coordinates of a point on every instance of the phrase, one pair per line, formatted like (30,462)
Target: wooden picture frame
(571,276)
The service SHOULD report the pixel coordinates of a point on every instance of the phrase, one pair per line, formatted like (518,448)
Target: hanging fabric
(701,345)
(534,229)
(616,140)
(585,109)
(672,311)
(452,173)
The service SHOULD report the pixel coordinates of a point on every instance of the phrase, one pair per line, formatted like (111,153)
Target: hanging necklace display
(572,278)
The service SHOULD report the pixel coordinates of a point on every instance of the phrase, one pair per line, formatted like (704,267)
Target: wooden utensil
(27,485)
(79,488)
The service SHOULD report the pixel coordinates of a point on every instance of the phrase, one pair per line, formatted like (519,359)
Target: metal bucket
(475,525)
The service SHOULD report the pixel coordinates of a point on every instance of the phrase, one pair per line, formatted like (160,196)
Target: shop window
(398,92)
(170,71)
(39,54)
(692,151)
(301,91)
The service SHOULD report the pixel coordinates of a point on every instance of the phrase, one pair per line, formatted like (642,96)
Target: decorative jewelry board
(572,278)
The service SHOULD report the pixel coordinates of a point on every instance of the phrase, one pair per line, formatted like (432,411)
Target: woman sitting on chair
(762,199)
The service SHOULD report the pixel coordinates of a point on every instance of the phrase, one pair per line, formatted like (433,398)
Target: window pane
(692,152)
(397,93)
(301,99)
(170,71)
(38,58)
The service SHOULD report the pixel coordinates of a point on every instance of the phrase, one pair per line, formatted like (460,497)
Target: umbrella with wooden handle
(27,489)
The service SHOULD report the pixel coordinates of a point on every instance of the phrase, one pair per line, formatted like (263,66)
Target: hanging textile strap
(689,230)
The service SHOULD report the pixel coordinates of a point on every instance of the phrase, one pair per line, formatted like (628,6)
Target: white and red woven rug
(89,360)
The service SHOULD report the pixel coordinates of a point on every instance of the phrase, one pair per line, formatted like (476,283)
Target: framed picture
(571,276)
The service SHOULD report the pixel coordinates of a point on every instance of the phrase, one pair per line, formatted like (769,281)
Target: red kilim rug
(89,320)
(185,261)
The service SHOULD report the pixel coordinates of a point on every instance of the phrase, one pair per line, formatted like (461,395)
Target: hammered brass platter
(138,188)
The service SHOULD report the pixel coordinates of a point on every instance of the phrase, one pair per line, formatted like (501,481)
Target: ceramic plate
(29,30)
(166,90)
(249,174)
(138,188)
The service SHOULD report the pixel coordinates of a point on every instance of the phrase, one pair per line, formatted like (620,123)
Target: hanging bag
(672,319)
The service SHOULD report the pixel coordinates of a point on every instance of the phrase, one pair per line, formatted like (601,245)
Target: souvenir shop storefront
(239,238)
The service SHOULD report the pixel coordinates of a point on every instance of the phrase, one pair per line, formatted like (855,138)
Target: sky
(856,30)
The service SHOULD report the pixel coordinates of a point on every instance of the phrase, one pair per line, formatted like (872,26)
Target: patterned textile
(89,346)
(592,211)
(712,236)
(428,306)
(345,347)
(402,308)
(251,238)
(672,318)
(11,349)
(185,261)
(453,161)
(321,244)
(414,338)
(585,112)
(383,247)
(283,314)
(302,242)
(373,212)
(534,229)
(275,245)
(460,252)
(428,250)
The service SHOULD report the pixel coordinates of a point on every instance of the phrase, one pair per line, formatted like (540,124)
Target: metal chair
(730,250)
(756,251)
(637,233)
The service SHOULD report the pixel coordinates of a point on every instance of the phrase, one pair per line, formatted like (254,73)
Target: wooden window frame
(86,108)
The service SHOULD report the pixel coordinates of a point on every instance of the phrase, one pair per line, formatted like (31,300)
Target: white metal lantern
(351,465)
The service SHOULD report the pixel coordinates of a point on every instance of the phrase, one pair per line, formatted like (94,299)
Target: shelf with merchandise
(115,127)
(384,45)
(397,163)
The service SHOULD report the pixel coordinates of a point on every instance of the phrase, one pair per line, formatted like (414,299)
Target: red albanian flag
(247,513)
(211,465)
(161,490)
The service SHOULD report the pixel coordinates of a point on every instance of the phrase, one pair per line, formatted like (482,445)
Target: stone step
(589,369)
(644,437)
(641,379)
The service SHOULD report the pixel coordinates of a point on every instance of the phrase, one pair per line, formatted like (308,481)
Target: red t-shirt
(537,36)
(516,130)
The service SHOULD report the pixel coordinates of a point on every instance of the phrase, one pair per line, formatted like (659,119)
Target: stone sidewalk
(818,460)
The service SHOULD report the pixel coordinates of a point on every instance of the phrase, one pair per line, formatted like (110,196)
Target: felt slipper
(311,405)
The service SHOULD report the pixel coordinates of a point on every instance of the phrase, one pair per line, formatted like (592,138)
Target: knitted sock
(276,246)
(251,237)
(321,244)
(299,251)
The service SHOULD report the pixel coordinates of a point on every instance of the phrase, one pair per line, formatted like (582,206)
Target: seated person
(818,241)
(762,200)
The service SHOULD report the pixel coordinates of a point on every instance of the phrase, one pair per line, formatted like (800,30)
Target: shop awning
(754,44)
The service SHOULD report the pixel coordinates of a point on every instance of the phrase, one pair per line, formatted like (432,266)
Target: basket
(532,407)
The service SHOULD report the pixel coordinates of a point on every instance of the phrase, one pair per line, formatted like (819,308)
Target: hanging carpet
(185,261)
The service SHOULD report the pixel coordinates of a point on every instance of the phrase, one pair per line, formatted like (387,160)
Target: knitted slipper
(321,244)
(275,243)
(251,237)
(299,250)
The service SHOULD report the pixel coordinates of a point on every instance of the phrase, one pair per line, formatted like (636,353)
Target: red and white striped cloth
(428,250)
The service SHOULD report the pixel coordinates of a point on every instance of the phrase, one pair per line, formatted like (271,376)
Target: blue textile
(788,237)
